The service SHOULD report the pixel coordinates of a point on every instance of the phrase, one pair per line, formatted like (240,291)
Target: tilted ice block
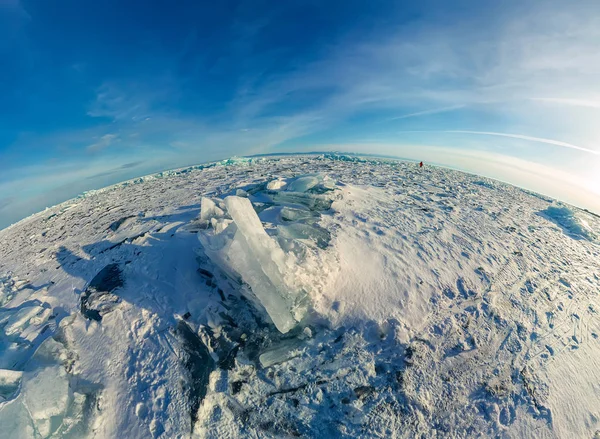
(261,263)
(268,253)
(15,422)
(270,295)
(244,251)
(46,395)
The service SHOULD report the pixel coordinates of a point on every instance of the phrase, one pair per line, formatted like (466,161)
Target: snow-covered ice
(302,296)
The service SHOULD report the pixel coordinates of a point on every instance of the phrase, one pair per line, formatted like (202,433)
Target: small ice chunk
(208,209)
(241,193)
(276,185)
(7,289)
(328,182)
(9,383)
(303,184)
(281,353)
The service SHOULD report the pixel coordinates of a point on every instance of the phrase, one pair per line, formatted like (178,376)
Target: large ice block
(244,251)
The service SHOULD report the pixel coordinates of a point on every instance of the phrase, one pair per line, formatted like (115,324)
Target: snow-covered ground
(410,303)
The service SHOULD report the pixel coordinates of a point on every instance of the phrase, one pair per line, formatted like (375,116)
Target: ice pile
(571,224)
(265,266)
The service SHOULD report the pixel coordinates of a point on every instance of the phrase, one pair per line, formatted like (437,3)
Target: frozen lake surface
(302,296)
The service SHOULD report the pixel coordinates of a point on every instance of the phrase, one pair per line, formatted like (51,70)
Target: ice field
(302,296)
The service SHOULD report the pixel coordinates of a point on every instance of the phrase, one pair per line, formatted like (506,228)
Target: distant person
(421,165)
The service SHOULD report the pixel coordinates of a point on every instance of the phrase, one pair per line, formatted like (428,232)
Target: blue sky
(92,93)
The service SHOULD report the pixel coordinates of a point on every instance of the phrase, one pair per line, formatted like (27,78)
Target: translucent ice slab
(245,252)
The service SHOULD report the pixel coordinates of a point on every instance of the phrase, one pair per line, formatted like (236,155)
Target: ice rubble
(236,241)
(46,402)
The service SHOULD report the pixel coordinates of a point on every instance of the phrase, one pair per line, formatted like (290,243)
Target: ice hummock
(571,224)
(242,249)
(234,238)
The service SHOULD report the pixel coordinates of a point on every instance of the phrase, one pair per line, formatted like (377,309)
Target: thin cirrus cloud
(529,138)
(104,142)
(427,112)
(572,102)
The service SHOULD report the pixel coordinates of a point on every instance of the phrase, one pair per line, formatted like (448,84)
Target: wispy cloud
(133,100)
(499,60)
(6,201)
(528,138)
(427,112)
(586,103)
(131,164)
(115,170)
(104,142)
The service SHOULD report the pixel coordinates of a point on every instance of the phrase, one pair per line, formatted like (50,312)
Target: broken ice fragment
(276,185)
(291,214)
(284,351)
(312,201)
(9,383)
(303,184)
(208,209)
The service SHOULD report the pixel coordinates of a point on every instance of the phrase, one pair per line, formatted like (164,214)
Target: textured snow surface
(417,303)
